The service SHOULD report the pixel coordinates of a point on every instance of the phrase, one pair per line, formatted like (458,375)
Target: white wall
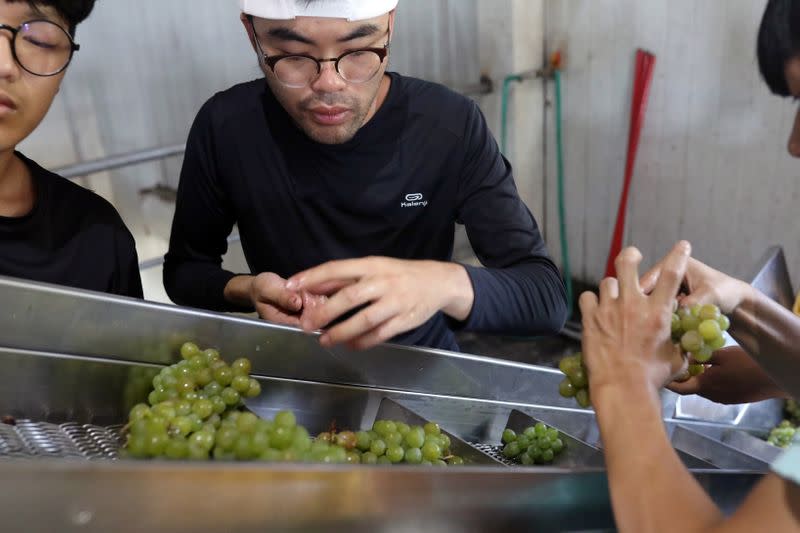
(712,166)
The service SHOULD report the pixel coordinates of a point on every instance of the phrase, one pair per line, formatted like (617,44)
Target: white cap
(341,9)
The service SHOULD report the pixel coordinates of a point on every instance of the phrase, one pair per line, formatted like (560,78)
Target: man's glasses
(300,70)
(41,47)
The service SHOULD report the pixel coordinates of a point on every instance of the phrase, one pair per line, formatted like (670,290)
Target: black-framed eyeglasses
(41,47)
(297,71)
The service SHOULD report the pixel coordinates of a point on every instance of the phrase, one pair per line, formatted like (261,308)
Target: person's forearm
(651,490)
(459,294)
(770,333)
(239,291)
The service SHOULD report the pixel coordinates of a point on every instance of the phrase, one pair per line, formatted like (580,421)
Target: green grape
(223,375)
(181,426)
(675,325)
(339,455)
(717,343)
(456,461)
(704,355)
(415,437)
(383,460)
(696,370)
(566,388)
(169,381)
(271,456)
(395,439)
(191,396)
(241,384)
(425,462)
(197,422)
(413,456)
(395,453)
(219,363)
(363,440)
(348,439)
(369,458)
(545,444)
(523,441)
(318,447)
(432,428)
(226,437)
(689,322)
(218,404)
(213,389)
(196,453)
(281,437)
(709,330)
(183,407)
(254,389)
(243,449)
(185,385)
(301,442)
(241,367)
(203,377)
(164,409)
(540,429)
(202,439)
(198,362)
(511,450)
(177,449)
(247,423)
(259,442)
(137,445)
(353,458)
(445,440)
(378,447)
(157,424)
(552,434)
(439,462)
(218,454)
(189,350)
(724,323)
(692,341)
(402,428)
(138,412)
(583,398)
(431,451)
(230,396)
(534,451)
(547,456)
(578,378)
(156,444)
(203,408)
(211,355)
(557,446)
(695,310)
(509,436)
(530,432)
(325,437)
(285,419)
(526,459)
(567,364)
(709,312)
(233,416)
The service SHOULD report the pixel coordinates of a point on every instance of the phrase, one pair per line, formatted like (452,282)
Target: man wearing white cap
(346,183)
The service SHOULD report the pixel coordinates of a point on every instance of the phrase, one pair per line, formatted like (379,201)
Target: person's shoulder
(449,109)
(69,197)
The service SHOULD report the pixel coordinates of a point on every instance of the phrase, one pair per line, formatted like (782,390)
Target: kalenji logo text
(414,200)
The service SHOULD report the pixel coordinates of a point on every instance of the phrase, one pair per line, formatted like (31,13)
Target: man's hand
(704,285)
(273,302)
(396,296)
(732,377)
(626,333)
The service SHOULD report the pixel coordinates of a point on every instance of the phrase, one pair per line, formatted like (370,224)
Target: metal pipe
(120,161)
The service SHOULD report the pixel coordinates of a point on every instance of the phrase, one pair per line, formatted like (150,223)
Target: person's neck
(383,93)
(17,190)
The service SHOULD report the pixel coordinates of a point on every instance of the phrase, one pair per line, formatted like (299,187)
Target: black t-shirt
(72,237)
(425,162)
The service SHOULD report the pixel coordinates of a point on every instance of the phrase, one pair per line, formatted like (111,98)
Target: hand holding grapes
(626,333)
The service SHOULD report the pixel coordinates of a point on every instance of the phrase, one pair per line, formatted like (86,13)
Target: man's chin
(331,135)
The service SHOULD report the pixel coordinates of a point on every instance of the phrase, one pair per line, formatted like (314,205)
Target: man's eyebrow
(286,34)
(366,30)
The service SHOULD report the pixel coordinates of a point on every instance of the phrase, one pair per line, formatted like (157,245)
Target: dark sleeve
(193,273)
(128,282)
(521,291)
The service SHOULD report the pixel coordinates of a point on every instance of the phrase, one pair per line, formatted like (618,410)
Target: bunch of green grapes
(698,330)
(392,442)
(782,435)
(186,405)
(537,444)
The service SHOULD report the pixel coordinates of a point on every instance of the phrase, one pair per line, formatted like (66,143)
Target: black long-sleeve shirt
(72,237)
(425,162)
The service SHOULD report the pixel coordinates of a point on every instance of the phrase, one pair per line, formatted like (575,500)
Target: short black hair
(72,11)
(779,42)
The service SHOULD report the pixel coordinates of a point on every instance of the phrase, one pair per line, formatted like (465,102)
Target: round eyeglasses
(41,47)
(297,71)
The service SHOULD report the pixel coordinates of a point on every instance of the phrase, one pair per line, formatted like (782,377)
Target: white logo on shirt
(414,200)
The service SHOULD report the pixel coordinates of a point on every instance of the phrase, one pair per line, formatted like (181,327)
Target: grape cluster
(698,330)
(537,444)
(188,404)
(782,435)
(792,411)
(393,442)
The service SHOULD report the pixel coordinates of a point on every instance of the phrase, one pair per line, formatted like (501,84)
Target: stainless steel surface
(29,439)
(772,277)
(713,451)
(751,445)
